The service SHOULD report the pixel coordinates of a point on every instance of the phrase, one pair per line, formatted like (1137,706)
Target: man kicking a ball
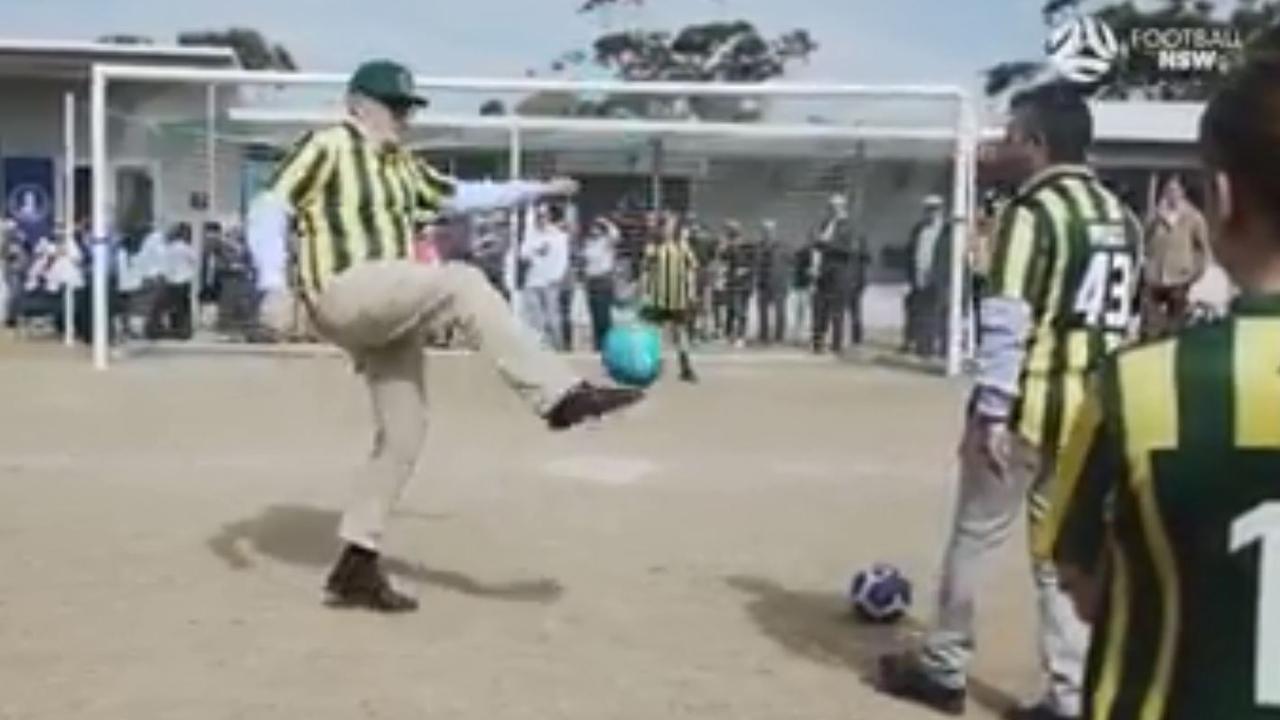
(355,193)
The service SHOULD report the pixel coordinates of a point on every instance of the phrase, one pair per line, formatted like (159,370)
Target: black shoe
(1040,711)
(902,677)
(358,581)
(586,401)
(686,370)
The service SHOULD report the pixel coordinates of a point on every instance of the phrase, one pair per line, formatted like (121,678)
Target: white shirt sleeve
(267,234)
(474,196)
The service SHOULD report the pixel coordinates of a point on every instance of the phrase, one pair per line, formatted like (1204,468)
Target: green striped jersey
(1169,488)
(1068,247)
(670,275)
(354,201)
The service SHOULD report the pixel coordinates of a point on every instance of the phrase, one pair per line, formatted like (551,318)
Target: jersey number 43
(1104,298)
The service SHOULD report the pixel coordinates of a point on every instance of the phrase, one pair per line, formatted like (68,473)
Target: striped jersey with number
(1068,247)
(1170,488)
(354,201)
(670,275)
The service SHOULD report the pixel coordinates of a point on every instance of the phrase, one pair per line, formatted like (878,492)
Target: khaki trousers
(986,511)
(380,312)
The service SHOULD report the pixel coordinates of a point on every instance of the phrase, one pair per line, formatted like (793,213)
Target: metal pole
(211,196)
(961,207)
(68,212)
(514,170)
(98,142)
(655,173)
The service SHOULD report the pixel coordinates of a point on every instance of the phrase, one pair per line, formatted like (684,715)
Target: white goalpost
(751,153)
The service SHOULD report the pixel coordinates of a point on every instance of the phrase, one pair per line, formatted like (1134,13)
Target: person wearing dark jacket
(927,273)
(739,282)
(833,294)
(771,285)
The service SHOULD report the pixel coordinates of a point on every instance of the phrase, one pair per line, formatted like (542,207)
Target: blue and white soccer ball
(880,594)
(1083,49)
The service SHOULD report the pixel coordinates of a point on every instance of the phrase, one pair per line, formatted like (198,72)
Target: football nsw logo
(1087,51)
(1083,50)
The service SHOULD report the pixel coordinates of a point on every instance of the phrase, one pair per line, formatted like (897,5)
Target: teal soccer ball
(632,354)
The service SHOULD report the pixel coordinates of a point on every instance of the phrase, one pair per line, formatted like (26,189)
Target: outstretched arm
(454,196)
(476,196)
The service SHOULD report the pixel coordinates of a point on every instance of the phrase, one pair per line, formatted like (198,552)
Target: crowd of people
(157,280)
(746,286)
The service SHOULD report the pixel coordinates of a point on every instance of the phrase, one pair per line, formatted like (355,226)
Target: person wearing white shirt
(600,256)
(546,250)
(172,267)
(130,287)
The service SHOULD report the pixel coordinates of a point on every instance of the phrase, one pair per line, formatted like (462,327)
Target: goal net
(827,216)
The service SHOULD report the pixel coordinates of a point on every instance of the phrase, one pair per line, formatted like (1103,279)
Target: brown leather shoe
(586,401)
(358,581)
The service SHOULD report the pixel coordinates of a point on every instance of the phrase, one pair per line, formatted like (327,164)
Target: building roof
(75,59)
(1135,122)
(1148,122)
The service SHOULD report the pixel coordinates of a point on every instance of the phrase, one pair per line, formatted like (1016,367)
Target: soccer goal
(756,172)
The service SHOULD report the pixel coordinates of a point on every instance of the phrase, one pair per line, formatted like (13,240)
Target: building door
(135,200)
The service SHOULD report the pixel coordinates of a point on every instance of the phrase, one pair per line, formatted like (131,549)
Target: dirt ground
(165,528)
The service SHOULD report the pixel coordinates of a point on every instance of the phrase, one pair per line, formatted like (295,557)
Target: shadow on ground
(299,535)
(818,627)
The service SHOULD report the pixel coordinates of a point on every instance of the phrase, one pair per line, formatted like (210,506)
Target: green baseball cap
(387,81)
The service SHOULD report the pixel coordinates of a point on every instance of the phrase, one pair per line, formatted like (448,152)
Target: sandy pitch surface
(165,529)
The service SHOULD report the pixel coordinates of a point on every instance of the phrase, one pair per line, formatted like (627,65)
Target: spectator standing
(171,315)
(739,282)
(130,285)
(771,285)
(234,280)
(561,217)
(546,252)
(804,263)
(926,278)
(1177,250)
(834,240)
(669,278)
(599,255)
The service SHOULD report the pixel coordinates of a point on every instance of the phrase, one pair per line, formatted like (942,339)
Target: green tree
(733,51)
(251,47)
(1137,75)
(253,50)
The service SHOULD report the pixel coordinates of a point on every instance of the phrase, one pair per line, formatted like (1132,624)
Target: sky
(876,41)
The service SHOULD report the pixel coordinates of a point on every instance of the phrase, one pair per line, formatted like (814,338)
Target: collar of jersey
(1268,304)
(1051,173)
(359,132)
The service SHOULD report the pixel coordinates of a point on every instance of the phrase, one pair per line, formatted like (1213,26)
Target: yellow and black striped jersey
(1169,490)
(1067,247)
(670,276)
(354,201)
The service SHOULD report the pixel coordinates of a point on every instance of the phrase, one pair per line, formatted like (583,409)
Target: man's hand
(1084,589)
(562,187)
(989,439)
